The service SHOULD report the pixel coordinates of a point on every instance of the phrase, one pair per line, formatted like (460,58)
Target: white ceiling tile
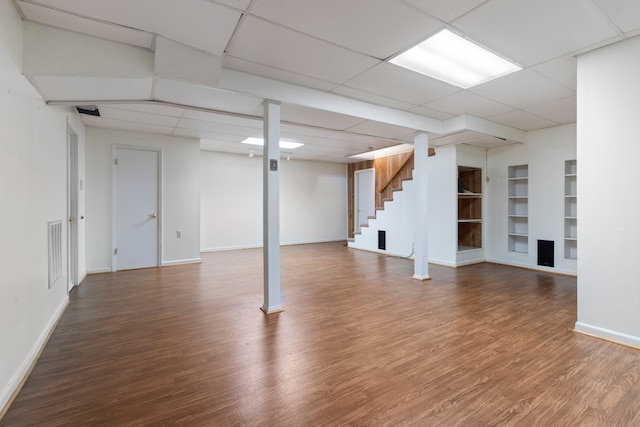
(223,118)
(522,89)
(296,114)
(81,88)
(79,24)
(625,14)
(531,32)
(100,122)
(465,102)
(202,24)
(214,145)
(218,128)
(371,97)
(394,82)
(182,93)
(265,43)
(354,24)
(428,112)
(151,108)
(236,4)
(134,116)
(523,120)
(446,10)
(381,130)
(199,134)
(234,63)
(560,111)
(307,131)
(563,70)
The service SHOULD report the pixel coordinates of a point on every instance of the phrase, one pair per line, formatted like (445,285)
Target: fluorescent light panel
(453,59)
(383,152)
(283,144)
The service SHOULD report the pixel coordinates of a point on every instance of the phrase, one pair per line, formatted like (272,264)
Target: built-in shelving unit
(518,214)
(570,210)
(469,208)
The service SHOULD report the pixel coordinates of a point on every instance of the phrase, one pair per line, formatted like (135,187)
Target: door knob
(71,219)
(154,215)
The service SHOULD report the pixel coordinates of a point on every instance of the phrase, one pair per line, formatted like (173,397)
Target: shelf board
(573,196)
(518,235)
(519,178)
(571,217)
(477,220)
(467,248)
(571,238)
(570,175)
(518,216)
(518,197)
(469,194)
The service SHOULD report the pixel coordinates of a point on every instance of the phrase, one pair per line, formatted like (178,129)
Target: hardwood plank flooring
(359,343)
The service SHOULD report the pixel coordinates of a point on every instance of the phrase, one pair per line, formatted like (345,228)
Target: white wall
(313,201)
(33,191)
(180,200)
(545,152)
(608,200)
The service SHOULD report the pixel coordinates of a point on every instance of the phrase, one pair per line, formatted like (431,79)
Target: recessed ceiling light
(383,152)
(283,144)
(453,59)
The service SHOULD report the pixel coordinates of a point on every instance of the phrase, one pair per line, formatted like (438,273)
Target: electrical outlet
(179,234)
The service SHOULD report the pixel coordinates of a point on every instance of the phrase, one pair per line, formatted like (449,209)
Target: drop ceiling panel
(465,102)
(428,112)
(381,130)
(354,24)
(560,111)
(217,127)
(297,114)
(150,108)
(80,88)
(398,83)
(446,10)
(522,89)
(563,70)
(134,116)
(523,120)
(198,134)
(234,63)
(268,44)
(183,93)
(223,118)
(202,24)
(625,14)
(306,131)
(78,24)
(531,32)
(371,98)
(100,122)
(236,4)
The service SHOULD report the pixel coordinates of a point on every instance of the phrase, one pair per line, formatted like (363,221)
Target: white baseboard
(18,379)
(607,334)
(99,270)
(533,267)
(181,261)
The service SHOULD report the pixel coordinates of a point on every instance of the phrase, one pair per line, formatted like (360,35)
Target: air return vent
(55,251)
(90,110)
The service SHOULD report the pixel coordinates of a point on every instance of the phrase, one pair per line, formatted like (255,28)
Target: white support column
(271,208)
(421,219)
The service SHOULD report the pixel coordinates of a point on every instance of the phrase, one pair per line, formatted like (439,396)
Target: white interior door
(365,200)
(72,210)
(136,208)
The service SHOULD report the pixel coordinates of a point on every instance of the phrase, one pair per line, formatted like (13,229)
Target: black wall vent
(545,253)
(382,240)
(89,110)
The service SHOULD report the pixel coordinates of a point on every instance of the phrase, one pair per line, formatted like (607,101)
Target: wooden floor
(360,343)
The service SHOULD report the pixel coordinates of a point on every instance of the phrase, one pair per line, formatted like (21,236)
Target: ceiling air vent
(90,110)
